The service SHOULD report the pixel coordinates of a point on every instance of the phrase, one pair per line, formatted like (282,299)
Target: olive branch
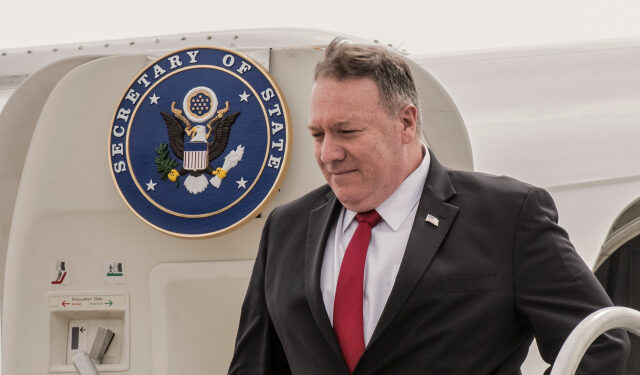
(164,163)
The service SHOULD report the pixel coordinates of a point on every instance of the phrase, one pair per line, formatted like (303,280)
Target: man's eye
(346,131)
(317,135)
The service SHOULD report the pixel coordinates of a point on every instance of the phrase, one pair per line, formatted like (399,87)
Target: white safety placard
(114,271)
(59,272)
(87,302)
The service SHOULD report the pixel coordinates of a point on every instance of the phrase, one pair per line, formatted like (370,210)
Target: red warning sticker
(59,272)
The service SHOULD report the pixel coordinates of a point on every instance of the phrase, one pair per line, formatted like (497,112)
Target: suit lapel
(424,240)
(317,233)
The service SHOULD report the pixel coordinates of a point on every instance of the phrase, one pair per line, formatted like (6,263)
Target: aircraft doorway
(618,269)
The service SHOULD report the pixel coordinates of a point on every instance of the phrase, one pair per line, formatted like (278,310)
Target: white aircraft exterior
(563,117)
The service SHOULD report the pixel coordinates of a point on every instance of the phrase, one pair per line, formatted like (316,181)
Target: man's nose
(331,150)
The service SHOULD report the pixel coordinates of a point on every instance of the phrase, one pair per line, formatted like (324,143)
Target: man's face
(359,147)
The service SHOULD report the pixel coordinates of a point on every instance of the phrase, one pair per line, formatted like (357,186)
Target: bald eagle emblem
(206,131)
(200,142)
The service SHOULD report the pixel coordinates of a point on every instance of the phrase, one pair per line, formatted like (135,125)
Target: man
(402,266)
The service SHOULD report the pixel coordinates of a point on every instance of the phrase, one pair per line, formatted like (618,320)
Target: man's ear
(408,116)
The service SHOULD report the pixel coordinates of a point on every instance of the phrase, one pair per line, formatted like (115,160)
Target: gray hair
(343,59)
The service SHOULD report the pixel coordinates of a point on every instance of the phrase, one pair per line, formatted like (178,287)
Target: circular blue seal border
(200,142)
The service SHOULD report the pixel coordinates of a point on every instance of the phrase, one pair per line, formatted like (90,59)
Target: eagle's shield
(196,156)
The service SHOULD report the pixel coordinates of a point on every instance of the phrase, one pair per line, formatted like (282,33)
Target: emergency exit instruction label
(114,271)
(87,302)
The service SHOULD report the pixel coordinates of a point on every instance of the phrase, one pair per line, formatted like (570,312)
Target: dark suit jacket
(468,298)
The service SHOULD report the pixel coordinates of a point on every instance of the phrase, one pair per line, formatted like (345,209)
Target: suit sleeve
(555,289)
(258,349)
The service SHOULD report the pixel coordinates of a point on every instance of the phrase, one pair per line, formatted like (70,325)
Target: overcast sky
(427,26)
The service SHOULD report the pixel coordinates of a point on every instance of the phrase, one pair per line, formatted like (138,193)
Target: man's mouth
(339,173)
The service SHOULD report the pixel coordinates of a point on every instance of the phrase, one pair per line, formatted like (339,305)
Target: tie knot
(370,217)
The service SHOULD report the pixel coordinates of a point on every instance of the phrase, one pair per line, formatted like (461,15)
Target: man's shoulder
(494,195)
(307,202)
(480,183)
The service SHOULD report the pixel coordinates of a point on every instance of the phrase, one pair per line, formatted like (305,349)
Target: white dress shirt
(388,241)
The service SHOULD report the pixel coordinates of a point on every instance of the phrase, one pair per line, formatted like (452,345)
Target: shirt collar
(395,209)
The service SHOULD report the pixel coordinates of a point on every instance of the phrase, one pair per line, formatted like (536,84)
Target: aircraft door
(79,257)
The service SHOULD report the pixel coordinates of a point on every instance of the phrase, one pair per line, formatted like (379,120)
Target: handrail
(83,364)
(588,330)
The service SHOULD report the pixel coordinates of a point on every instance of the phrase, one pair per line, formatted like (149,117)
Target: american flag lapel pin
(432,219)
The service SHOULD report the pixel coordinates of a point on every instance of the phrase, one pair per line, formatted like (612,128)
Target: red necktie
(347,306)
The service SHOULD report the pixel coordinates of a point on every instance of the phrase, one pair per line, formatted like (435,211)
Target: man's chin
(345,179)
(352,202)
